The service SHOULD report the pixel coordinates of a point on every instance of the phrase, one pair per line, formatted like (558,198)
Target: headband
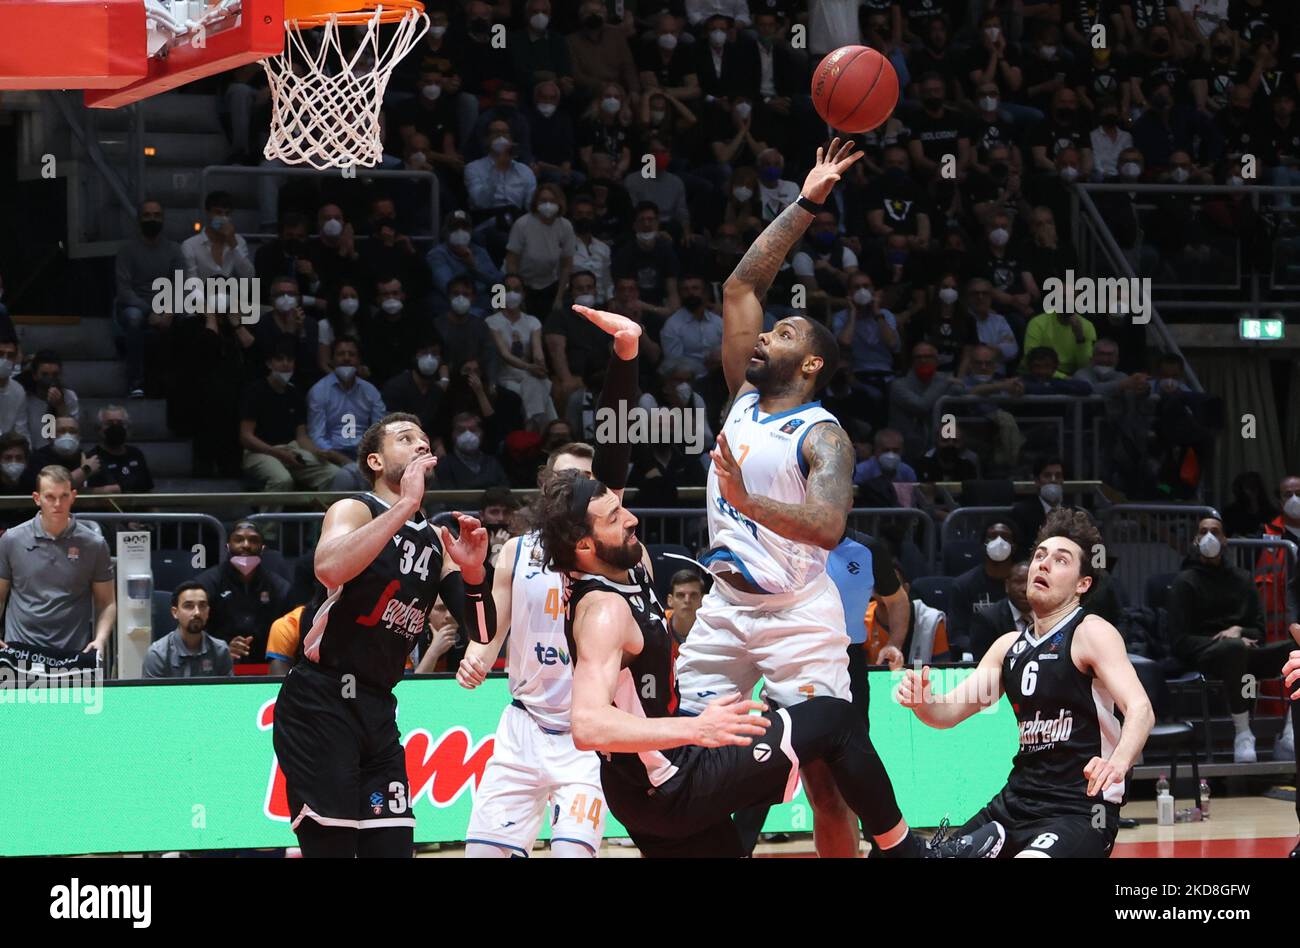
(584,488)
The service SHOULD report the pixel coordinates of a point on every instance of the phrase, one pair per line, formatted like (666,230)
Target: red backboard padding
(71,44)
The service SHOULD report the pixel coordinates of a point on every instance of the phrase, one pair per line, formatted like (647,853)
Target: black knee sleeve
(326,842)
(390,842)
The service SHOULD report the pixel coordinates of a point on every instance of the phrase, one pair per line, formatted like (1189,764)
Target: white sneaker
(1243,748)
(1284,747)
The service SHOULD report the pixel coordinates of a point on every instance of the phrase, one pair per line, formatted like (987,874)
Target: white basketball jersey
(768,449)
(538,663)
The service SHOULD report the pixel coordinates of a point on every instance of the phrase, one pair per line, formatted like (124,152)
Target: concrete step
(95,378)
(148,417)
(90,339)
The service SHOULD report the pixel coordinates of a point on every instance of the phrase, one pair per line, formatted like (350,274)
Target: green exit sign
(1262,330)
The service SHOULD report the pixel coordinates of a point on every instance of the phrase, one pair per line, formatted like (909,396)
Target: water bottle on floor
(1164,802)
(1205,799)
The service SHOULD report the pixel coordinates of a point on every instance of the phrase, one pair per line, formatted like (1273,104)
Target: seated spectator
(333,251)
(600,53)
(1028,515)
(441,648)
(886,460)
(505,107)
(340,320)
(496,510)
(245,597)
(912,398)
(1069,335)
(466,466)
(982,379)
(775,193)
(390,252)
(946,325)
(278,452)
(991,328)
(217,251)
(56,575)
(1001,262)
(940,134)
(431,113)
(949,460)
(518,337)
(981,584)
(870,332)
(469,392)
(650,257)
(937,55)
(686,592)
(388,335)
(463,332)
(1251,513)
(1108,140)
(459,256)
(418,391)
(742,209)
(1216,625)
(823,261)
(590,252)
(287,254)
(540,250)
(554,138)
(500,189)
(606,130)
(1170,377)
(13,397)
(895,205)
(666,64)
(1045,256)
(17,478)
(1010,613)
(694,332)
(116,467)
(1046,68)
(1124,394)
(576,346)
(341,406)
(659,469)
(1168,126)
(65,451)
(663,189)
(140,262)
(676,390)
(47,397)
(187,651)
(288,322)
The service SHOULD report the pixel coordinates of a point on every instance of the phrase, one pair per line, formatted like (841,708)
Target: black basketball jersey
(368,626)
(1066,718)
(647,686)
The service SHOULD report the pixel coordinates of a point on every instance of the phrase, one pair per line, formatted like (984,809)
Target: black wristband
(480,609)
(809,206)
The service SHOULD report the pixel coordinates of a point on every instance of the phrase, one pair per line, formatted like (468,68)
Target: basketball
(854,89)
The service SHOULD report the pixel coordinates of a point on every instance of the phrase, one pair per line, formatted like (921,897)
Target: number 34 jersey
(368,626)
(538,662)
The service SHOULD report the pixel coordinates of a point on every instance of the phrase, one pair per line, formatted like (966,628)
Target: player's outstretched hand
(1101,773)
(470,548)
(728,721)
(832,162)
(471,673)
(626,332)
(1291,674)
(891,656)
(914,690)
(731,483)
(415,479)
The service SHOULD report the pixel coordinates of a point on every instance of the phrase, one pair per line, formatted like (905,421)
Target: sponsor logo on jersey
(790,426)
(549,655)
(377,802)
(404,618)
(1039,734)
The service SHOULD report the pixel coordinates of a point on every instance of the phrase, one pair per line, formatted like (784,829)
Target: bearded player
(778,497)
(1065,678)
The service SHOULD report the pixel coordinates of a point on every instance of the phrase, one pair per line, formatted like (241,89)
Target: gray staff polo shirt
(51,603)
(169,658)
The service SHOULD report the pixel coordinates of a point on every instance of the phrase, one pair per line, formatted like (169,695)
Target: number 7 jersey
(538,662)
(769,449)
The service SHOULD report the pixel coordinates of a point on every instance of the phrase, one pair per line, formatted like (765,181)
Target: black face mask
(931,103)
(1223,52)
(385,222)
(1110,120)
(1065,115)
(999,170)
(593,22)
(151,228)
(480,25)
(691,302)
(583,225)
(1160,46)
(115,435)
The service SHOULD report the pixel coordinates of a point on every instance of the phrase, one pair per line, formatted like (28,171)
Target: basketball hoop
(325,101)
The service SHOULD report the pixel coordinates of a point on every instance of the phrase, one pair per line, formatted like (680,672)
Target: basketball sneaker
(1243,748)
(984,843)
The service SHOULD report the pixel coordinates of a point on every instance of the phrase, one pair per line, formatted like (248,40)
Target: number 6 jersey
(368,626)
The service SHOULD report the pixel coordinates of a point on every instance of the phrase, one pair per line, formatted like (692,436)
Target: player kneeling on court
(1065,677)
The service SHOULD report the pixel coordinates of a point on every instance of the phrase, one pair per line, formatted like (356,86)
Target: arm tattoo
(759,266)
(821,518)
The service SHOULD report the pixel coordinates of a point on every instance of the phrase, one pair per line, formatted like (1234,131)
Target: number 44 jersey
(368,626)
(538,662)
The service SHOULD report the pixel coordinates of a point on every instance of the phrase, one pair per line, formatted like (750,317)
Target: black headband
(584,488)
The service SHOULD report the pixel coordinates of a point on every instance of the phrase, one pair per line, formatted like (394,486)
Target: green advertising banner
(135,767)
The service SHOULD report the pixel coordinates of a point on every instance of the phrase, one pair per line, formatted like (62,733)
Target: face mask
(981,379)
(999,236)
(770,175)
(610,105)
(1130,169)
(460,305)
(480,25)
(862,296)
(1292,507)
(391,307)
(684,391)
(349,306)
(219,223)
(1103,372)
(151,228)
(656,117)
(718,38)
(431,91)
(926,371)
(948,295)
(744,110)
(1069,173)
(245,564)
(458,238)
(13,469)
(332,227)
(742,194)
(668,41)
(513,299)
(67,444)
(6,368)
(500,145)
(1235,181)
(646,239)
(989,103)
(115,434)
(889,461)
(427,364)
(1049,52)
(437,32)
(285,302)
(467,442)
(993,32)
(998,549)
(1109,120)
(585,299)
(1051,494)
(932,103)
(1180,175)
(1160,46)
(1162,102)
(345,373)
(1209,546)
(548,208)
(823,239)
(539,22)
(284,377)
(546,109)
(593,22)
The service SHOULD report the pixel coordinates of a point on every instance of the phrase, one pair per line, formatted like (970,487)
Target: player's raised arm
(618,394)
(979,690)
(742,294)
(1101,649)
(603,628)
(351,539)
(481,656)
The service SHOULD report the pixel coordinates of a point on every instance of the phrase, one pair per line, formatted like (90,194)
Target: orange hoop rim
(312,13)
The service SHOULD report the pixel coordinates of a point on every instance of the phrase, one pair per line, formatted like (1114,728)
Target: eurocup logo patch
(790,426)
(377,802)
(762,752)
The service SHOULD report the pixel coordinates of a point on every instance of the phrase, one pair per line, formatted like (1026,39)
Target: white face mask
(1069,173)
(718,38)
(349,306)
(431,91)
(1292,507)
(889,461)
(862,296)
(948,295)
(467,442)
(391,306)
(998,549)
(427,364)
(284,377)
(1051,494)
(585,299)
(684,391)
(1180,175)
(1209,546)
(539,22)
(668,41)
(13,469)
(989,103)
(332,227)
(981,379)
(1130,169)
(548,208)
(514,299)
(1235,181)
(611,105)
(6,368)
(500,145)
(285,302)
(460,305)
(546,109)
(993,32)
(1049,52)
(646,239)
(999,236)
(1103,372)
(437,32)
(219,223)
(345,373)
(656,116)
(742,194)
(458,238)
(744,110)
(67,444)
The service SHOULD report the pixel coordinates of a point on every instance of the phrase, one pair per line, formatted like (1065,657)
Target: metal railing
(1074,403)
(967,524)
(186,529)
(1148,539)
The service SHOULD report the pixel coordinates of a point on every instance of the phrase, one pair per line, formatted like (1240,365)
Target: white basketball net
(325,103)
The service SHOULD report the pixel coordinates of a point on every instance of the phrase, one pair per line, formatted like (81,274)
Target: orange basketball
(854,89)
